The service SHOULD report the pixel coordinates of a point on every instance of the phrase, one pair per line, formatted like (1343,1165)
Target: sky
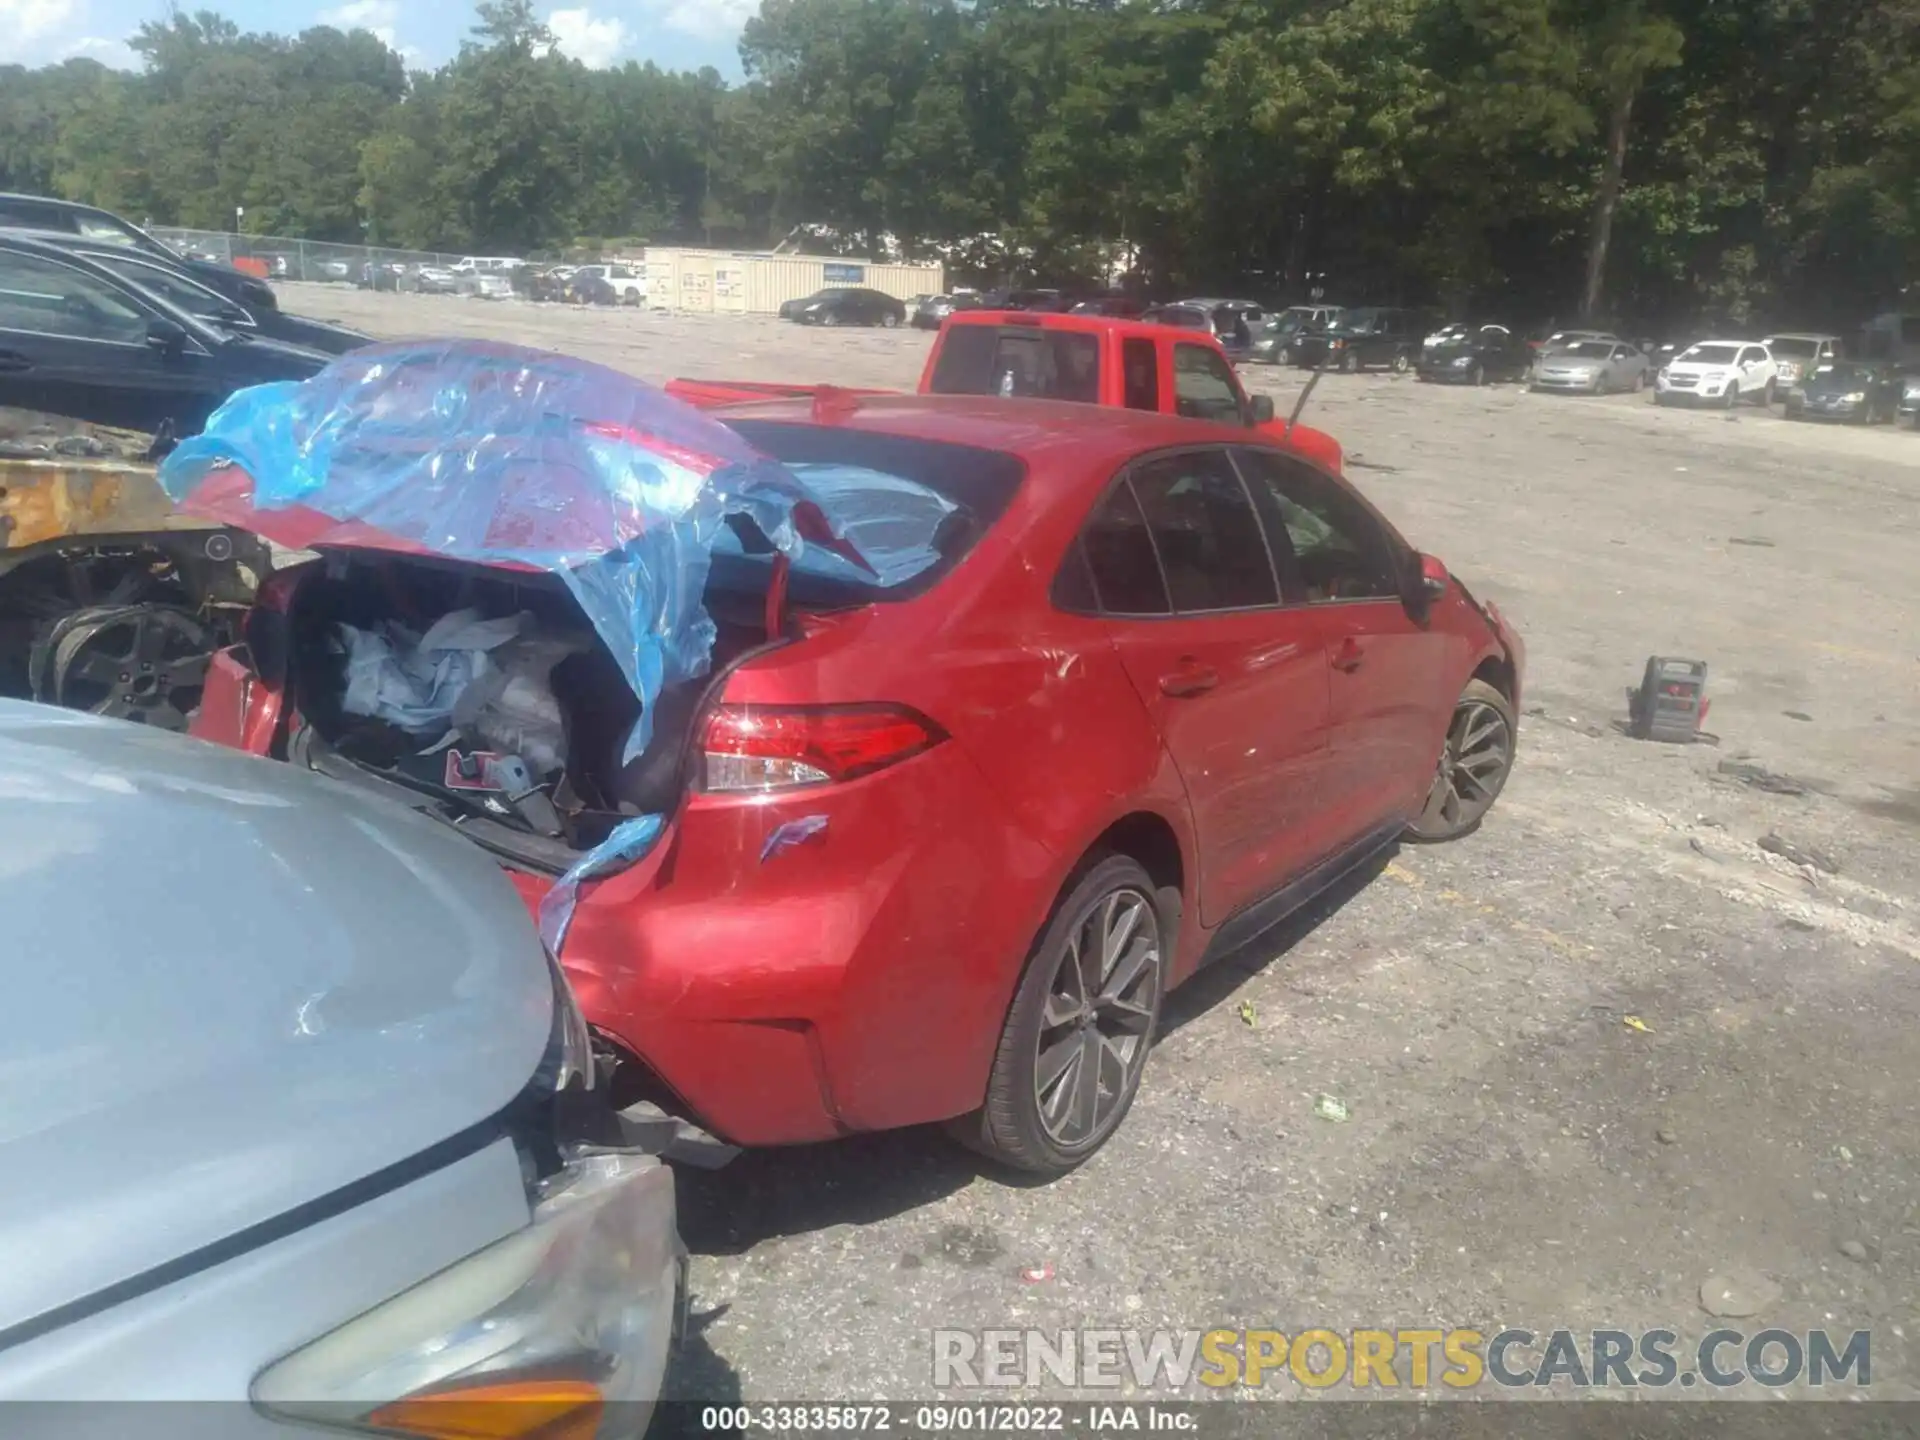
(675,34)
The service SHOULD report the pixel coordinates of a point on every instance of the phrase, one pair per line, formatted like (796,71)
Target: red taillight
(765,747)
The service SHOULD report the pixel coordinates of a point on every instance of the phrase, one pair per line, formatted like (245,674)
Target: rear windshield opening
(1019,360)
(912,508)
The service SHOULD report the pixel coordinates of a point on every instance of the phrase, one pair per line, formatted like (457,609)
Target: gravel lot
(1517,1154)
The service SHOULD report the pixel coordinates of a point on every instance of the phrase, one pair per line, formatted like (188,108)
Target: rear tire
(1344,364)
(1766,395)
(1400,362)
(890,321)
(1049,1123)
(1732,396)
(1475,759)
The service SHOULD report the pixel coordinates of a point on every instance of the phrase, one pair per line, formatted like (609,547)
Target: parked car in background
(1233,682)
(1591,367)
(540,283)
(1474,354)
(1180,317)
(589,287)
(1796,355)
(627,282)
(852,305)
(1910,398)
(1271,348)
(378,275)
(1361,338)
(1561,339)
(488,285)
(40,212)
(1861,391)
(932,312)
(173,282)
(350,1189)
(435,280)
(79,340)
(1725,372)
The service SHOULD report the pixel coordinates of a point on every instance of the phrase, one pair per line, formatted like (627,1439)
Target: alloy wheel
(1473,767)
(1098,1020)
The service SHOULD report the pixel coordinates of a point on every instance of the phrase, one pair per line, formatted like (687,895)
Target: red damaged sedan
(936,850)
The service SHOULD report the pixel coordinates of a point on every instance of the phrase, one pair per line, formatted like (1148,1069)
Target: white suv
(1724,372)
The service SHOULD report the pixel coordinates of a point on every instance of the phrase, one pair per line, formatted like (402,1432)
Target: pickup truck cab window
(1203,385)
(1141,361)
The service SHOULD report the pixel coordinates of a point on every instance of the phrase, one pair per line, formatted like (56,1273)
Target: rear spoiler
(713,394)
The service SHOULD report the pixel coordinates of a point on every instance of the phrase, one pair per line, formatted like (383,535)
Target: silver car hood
(233,988)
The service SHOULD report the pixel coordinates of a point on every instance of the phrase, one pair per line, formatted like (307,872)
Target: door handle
(1349,657)
(14,361)
(1189,680)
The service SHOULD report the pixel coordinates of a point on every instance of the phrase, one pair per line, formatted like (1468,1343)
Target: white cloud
(377,16)
(595,43)
(708,19)
(114,54)
(29,20)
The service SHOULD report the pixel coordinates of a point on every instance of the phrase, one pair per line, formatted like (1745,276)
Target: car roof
(1034,430)
(1799,335)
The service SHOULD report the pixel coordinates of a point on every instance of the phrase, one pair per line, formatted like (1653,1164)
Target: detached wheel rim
(1473,766)
(1098,1020)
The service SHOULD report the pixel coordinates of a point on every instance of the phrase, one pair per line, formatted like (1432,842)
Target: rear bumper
(1562,382)
(856,981)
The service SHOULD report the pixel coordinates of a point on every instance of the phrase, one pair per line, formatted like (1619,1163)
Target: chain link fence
(381,266)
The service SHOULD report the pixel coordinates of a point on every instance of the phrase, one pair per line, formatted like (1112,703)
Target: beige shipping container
(705,282)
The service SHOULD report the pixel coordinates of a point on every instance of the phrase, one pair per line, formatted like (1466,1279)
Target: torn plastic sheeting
(792,833)
(890,520)
(499,454)
(630,840)
(416,681)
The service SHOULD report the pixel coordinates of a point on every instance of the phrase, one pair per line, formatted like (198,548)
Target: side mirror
(1434,579)
(1260,409)
(166,336)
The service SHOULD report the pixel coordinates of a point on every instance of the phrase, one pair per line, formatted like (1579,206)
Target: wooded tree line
(1659,160)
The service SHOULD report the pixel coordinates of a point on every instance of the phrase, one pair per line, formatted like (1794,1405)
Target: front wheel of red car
(1077,1034)
(1475,761)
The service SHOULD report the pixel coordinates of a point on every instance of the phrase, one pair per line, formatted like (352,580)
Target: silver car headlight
(1462,363)
(562,1329)
(1854,397)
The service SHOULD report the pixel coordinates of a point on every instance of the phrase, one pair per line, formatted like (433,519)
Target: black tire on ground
(1477,375)
(890,321)
(1016,1125)
(1475,759)
(1400,362)
(1766,395)
(1345,364)
(1731,396)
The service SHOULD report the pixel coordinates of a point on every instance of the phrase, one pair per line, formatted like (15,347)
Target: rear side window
(1203,385)
(919,506)
(1141,361)
(43,297)
(29,216)
(1119,552)
(1205,532)
(1026,361)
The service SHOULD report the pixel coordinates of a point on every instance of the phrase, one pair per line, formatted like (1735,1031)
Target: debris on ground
(1854,1250)
(1758,777)
(1331,1107)
(1666,1136)
(1798,855)
(1754,541)
(1737,1294)
(1248,1015)
(1636,1024)
(1038,1274)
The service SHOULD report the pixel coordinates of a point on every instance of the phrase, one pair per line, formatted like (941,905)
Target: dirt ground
(1518,1154)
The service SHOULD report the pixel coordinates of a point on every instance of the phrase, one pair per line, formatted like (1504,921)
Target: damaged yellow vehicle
(110,602)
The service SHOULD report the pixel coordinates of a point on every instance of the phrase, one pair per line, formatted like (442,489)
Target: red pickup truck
(1093,359)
